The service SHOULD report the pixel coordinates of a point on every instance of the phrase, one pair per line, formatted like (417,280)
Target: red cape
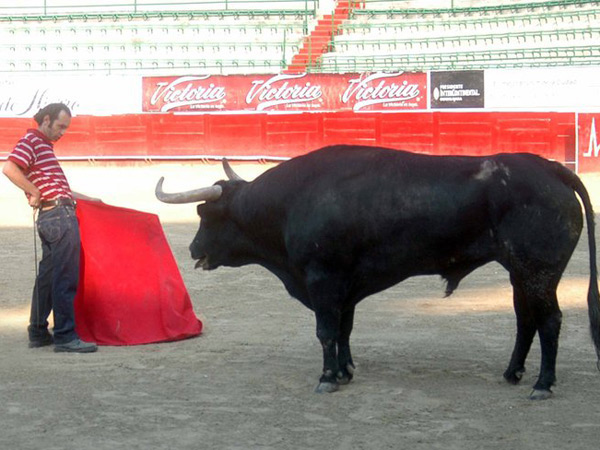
(130,289)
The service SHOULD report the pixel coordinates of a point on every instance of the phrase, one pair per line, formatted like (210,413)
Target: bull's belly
(375,275)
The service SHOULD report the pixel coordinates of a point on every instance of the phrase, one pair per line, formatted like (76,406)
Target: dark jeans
(58,276)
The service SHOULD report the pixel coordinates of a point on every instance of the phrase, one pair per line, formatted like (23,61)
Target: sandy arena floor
(429,369)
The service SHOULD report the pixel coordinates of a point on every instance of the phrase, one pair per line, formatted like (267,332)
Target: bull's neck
(262,218)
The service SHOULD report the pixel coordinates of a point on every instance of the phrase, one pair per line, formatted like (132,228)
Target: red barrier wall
(589,142)
(551,134)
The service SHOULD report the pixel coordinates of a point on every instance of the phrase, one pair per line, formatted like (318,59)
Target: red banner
(286,92)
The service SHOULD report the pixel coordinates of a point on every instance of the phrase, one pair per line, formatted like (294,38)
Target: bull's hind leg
(549,320)
(536,303)
(526,330)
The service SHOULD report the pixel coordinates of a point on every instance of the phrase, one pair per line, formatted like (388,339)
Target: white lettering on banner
(270,94)
(184,92)
(96,95)
(593,148)
(366,95)
(453,93)
(28,106)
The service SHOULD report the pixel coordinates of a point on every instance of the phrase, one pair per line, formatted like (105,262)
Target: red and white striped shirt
(34,153)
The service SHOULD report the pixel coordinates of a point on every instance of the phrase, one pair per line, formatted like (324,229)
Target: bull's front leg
(328,292)
(345,363)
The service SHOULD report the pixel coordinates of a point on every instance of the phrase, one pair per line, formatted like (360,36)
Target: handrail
(157,15)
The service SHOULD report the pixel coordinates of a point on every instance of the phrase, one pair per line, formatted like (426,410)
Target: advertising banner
(96,95)
(543,89)
(286,93)
(461,89)
(588,139)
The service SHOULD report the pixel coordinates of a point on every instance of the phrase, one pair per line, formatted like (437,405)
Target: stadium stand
(242,36)
(215,36)
(390,35)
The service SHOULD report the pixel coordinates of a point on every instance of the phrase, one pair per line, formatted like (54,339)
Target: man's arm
(16,175)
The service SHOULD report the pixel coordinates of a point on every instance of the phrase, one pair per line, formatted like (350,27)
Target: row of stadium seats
(166,32)
(160,34)
(465,60)
(151,50)
(380,44)
(554,19)
(147,66)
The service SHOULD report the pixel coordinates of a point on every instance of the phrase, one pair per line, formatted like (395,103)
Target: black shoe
(76,346)
(41,341)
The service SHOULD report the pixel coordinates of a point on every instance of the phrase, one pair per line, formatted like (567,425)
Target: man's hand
(35,199)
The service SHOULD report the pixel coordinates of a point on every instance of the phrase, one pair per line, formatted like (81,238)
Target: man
(33,167)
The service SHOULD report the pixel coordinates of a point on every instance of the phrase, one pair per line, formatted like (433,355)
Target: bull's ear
(230,172)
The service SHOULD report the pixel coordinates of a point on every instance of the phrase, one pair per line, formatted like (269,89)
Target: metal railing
(54,10)
(65,7)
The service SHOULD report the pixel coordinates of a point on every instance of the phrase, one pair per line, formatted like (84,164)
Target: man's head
(53,120)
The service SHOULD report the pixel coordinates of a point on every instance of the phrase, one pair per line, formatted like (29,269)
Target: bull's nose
(196,254)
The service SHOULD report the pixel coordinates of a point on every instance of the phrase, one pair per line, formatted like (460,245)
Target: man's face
(55,130)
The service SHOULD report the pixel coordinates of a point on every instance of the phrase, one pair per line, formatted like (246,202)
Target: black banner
(461,89)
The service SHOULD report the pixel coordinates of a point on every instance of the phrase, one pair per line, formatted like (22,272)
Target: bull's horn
(197,195)
(230,172)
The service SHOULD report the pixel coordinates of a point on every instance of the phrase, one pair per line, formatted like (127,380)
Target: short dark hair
(52,110)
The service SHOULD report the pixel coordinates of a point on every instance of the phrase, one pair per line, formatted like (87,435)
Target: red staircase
(319,41)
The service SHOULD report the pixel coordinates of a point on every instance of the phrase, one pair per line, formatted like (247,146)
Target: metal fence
(66,7)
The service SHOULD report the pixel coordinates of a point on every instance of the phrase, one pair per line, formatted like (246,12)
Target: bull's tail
(593,299)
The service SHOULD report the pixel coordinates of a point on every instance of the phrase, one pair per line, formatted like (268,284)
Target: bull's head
(212,245)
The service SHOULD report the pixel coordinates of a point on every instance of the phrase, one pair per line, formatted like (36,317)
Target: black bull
(344,222)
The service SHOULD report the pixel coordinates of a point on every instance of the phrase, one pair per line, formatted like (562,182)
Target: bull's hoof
(514,377)
(345,376)
(540,394)
(327,387)
(344,379)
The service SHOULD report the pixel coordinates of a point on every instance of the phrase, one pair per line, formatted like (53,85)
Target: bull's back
(385,215)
